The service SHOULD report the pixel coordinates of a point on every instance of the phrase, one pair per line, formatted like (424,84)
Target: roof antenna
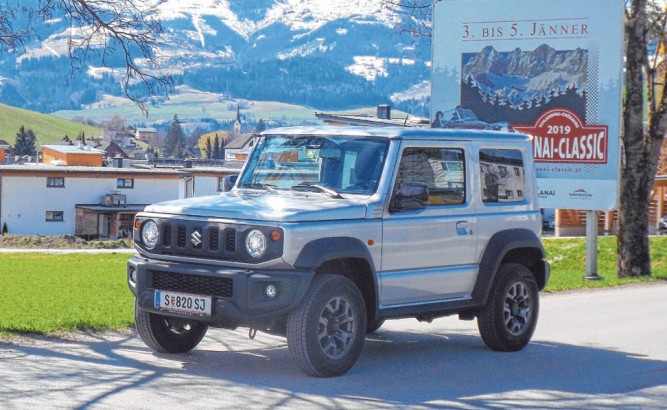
(406,119)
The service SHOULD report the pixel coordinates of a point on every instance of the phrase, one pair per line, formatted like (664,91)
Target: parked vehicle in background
(662,226)
(330,231)
(548,222)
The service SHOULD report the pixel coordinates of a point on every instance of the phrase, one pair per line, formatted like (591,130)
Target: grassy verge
(46,292)
(43,293)
(568,263)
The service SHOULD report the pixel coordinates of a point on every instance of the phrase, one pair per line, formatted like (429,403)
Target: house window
(54,216)
(125,183)
(55,182)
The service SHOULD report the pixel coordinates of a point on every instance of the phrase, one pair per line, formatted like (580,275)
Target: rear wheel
(508,320)
(326,333)
(167,334)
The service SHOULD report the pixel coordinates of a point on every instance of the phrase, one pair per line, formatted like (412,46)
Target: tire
(326,333)
(508,320)
(373,326)
(167,334)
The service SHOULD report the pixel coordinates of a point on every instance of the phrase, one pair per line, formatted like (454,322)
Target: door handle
(462,228)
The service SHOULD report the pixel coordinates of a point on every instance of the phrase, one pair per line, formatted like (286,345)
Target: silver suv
(329,231)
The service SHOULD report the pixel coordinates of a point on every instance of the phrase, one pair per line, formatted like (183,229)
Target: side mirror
(410,196)
(229,182)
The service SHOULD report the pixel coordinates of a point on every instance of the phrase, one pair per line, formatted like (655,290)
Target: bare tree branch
(416,17)
(99,29)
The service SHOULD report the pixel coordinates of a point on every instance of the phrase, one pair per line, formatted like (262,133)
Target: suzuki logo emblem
(195,238)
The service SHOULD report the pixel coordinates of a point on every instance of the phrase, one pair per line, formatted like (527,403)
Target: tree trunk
(642,150)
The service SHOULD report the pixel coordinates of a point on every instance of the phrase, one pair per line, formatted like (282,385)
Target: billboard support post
(592,246)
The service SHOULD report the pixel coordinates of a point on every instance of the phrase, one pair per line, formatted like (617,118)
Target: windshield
(336,164)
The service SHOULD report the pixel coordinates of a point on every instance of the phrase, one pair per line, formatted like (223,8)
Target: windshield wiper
(258,185)
(317,188)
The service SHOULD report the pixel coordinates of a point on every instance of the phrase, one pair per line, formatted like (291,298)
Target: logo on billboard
(545,193)
(580,193)
(559,135)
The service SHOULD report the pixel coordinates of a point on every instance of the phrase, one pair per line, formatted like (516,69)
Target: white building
(92,201)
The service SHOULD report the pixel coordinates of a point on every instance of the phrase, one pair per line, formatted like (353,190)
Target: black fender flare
(321,251)
(499,245)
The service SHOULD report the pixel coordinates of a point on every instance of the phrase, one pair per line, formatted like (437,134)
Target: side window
(499,185)
(442,170)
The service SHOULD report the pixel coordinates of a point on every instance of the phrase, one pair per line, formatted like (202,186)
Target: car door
(429,254)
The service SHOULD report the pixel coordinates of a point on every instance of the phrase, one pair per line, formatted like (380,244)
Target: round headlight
(255,244)
(150,234)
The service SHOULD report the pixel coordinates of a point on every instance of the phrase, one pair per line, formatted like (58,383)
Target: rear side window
(441,169)
(502,175)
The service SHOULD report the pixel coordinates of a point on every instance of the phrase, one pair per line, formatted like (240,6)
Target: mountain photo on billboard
(517,86)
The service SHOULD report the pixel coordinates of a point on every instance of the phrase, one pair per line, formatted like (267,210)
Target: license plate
(183,303)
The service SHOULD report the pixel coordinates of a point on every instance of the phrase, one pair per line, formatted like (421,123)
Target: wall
(88,159)
(25,199)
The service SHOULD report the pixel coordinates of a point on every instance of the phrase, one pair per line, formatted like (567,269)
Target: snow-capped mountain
(522,75)
(334,54)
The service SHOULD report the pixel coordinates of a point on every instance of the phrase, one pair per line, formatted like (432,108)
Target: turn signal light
(137,224)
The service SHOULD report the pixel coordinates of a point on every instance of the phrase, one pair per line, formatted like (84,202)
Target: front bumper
(238,295)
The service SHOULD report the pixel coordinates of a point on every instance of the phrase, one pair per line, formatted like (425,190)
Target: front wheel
(326,333)
(508,320)
(167,334)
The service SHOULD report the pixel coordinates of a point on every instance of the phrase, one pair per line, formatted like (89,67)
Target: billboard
(553,70)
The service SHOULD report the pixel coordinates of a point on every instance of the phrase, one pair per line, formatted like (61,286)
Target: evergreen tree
(216,147)
(260,126)
(25,142)
(175,141)
(209,148)
(82,137)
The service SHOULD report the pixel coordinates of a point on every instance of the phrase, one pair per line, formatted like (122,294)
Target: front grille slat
(214,239)
(166,235)
(180,236)
(230,240)
(194,284)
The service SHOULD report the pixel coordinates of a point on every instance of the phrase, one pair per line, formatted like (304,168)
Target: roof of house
(4,143)
(148,129)
(240,141)
(74,149)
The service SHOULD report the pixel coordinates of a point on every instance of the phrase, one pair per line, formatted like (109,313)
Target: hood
(265,206)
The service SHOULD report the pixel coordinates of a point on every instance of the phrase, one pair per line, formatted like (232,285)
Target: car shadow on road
(396,368)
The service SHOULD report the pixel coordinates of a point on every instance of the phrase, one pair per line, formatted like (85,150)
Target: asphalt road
(592,349)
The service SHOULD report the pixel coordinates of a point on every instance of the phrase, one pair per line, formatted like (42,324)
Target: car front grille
(194,284)
(206,240)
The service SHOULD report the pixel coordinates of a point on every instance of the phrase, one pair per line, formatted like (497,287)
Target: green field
(48,128)
(44,293)
(193,105)
(190,105)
